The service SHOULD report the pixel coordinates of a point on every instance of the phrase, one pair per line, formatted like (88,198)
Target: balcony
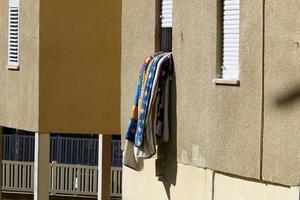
(65,180)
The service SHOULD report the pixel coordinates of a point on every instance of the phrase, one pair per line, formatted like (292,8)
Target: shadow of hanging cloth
(288,97)
(166,163)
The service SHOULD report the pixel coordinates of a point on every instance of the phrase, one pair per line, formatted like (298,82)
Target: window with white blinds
(13,33)
(166,25)
(166,14)
(231,39)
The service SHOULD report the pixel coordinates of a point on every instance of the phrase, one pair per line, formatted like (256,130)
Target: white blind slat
(166,14)
(231,44)
(13,33)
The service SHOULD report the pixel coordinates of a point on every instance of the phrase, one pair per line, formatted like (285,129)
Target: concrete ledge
(12,67)
(222,81)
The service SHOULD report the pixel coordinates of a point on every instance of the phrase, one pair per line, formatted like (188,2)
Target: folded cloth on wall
(148,124)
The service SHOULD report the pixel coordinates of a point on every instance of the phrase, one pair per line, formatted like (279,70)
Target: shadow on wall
(168,150)
(289,97)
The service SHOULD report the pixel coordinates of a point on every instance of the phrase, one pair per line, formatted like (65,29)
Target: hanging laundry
(149,123)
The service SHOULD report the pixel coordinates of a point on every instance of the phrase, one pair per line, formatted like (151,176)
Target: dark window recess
(166,39)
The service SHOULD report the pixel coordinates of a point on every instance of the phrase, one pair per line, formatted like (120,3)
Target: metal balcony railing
(65,179)
(19,146)
(116,182)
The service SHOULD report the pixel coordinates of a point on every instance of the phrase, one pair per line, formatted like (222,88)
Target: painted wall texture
(137,43)
(215,127)
(80,66)
(250,130)
(281,156)
(186,182)
(69,77)
(20,89)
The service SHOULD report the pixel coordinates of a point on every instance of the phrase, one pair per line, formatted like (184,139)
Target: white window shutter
(13,33)
(166,15)
(231,37)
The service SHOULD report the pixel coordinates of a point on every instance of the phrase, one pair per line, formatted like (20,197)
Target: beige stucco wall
(19,90)
(80,66)
(217,127)
(138,41)
(281,158)
(182,183)
(186,182)
(228,188)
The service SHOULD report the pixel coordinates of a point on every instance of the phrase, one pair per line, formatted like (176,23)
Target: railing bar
(120,182)
(86,180)
(50,175)
(30,178)
(62,174)
(9,175)
(82,180)
(9,180)
(95,181)
(115,181)
(87,177)
(62,178)
(111,181)
(26,184)
(57,174)
(14,176)
(79,180)
(70,178)
(15,172)
(92,181)
(4,174)
(57,179)
(89,180)
(24,176)
(54,168)
(65,178)
(20,176)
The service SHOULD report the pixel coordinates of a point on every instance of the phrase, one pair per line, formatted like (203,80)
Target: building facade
(60,73)
(234,102)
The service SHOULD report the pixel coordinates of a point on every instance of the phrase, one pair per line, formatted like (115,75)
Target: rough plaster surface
(281,156)
(19,89)
(217,126)
(138,41)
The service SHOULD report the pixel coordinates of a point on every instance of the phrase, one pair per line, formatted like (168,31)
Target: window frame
(227,80)
(13,5)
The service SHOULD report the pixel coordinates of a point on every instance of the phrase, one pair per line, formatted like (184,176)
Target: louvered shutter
(13,33)
(166,15)
(231,37)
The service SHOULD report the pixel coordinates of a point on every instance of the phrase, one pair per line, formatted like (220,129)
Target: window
(231,37)
(13,34)
(166,25)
